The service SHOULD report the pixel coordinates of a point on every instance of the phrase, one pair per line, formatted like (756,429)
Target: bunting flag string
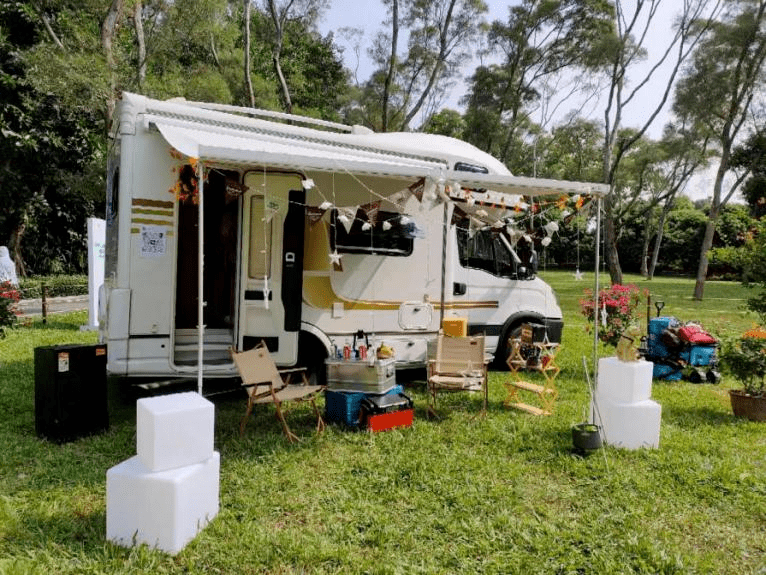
(523,217)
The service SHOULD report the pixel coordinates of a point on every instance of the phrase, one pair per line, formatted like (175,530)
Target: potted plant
(586,437)
(745,359)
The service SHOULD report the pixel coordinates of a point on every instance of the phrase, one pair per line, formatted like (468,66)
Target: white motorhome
(303,233)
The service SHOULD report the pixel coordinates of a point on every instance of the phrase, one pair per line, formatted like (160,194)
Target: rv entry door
(271,263)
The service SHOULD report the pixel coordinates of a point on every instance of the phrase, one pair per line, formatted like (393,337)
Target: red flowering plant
(9,297)
(617,309)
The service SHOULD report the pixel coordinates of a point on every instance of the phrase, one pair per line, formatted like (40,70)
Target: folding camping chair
(267,384)
(459,365)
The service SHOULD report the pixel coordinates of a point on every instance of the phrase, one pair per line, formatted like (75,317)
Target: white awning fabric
(240,147)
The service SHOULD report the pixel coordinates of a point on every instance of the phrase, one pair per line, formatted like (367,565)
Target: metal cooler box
(359,375)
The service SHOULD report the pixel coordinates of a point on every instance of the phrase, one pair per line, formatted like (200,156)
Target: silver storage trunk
(359,375)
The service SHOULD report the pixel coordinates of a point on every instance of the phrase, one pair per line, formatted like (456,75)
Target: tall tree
(629,49)
(539,41)
(306,12)
(109,28)
(440,34)
(684,151)
(752,154)
(719,89)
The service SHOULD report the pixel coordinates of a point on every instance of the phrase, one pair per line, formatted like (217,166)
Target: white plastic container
(629,425)
(624,382)
(164,509)
(174,430)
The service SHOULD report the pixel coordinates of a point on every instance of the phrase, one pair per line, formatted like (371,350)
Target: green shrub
(58,285)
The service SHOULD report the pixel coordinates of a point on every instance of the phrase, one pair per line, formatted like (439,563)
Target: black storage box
(70,391)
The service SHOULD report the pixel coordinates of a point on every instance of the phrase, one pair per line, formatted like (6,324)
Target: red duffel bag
(694,333)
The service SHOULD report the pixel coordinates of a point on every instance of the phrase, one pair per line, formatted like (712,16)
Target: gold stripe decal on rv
(150,222)
(153,203)
(166,213)
(319,293)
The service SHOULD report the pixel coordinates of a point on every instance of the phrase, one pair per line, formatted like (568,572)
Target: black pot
(586,437)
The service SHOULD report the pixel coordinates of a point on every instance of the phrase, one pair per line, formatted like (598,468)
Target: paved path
(29,307)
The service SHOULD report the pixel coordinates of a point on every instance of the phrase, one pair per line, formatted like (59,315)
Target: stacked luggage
(681,351)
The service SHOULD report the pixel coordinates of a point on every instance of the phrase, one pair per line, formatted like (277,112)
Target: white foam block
(629,425)
(164,509)
(624,382)
(174,430)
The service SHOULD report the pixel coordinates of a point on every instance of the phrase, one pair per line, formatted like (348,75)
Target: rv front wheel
(504,346)
(312,355)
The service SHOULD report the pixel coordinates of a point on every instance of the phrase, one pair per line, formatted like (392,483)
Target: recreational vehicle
(228,226)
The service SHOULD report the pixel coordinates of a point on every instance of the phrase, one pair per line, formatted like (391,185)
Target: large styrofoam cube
(629,425)
(174,430)
(164,509)
(624,381)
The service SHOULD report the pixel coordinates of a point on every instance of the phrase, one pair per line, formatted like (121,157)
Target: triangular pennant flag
(346,217)
(418,188)
(314,213)
(371,211)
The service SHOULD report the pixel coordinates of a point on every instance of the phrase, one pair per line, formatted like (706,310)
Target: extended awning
(228,146)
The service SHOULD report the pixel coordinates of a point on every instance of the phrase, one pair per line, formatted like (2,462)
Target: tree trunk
(286,100)
(707,243)
(246,49)
(610,251)
(391,65)
(138,24)
(109,29)
(276,56)
(645,245)
(15,247)
(658,242)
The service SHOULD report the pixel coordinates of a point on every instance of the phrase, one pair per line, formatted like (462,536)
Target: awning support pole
(596,309)
(200,274)
(444,264)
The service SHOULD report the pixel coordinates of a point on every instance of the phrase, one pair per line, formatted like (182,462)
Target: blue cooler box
(699,355)
(666,372)
(346,406)
(655,347)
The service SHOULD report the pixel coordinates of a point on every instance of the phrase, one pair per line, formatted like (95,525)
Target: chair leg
(243,421)
(320,421)
(431,408)
(290,435)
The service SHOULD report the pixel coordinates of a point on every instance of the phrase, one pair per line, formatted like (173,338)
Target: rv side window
(391,234)
(259,258)
(484,251)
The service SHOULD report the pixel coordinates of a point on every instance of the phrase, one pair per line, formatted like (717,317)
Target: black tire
(504,348)
(312,355)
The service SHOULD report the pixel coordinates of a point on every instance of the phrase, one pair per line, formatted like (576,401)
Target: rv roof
(220,136)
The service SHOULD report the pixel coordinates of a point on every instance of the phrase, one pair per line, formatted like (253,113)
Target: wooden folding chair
(267,384)
(459,365)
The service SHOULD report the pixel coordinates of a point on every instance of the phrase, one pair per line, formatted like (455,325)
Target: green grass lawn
(500,494)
